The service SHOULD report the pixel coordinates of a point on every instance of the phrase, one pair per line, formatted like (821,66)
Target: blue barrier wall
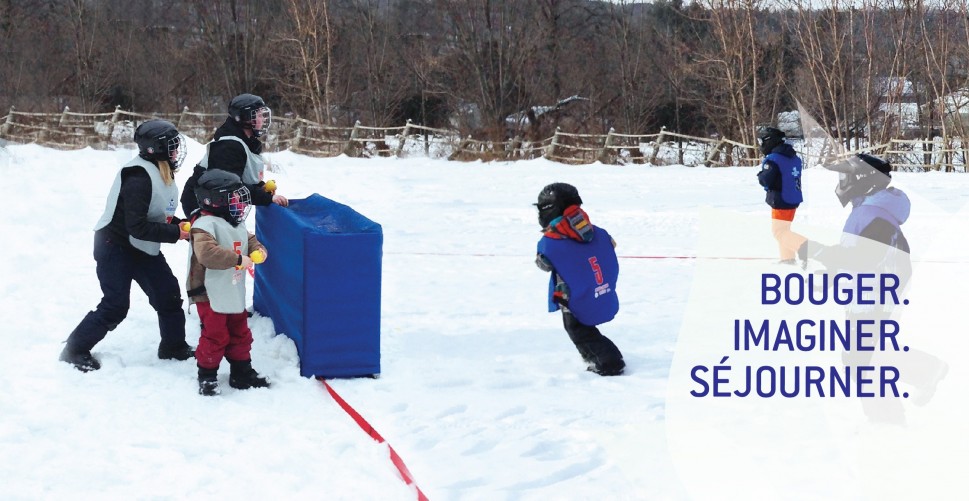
(321,284)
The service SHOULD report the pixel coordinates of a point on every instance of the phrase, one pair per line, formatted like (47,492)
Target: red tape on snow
(363,424)
(620,256)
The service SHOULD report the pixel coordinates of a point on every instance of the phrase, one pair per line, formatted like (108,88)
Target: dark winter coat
(131,214)
(229,156)
(780,175)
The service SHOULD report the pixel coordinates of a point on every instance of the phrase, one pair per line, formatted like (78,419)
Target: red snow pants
(223,335)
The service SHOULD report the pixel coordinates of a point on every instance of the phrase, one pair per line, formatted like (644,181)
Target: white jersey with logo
(226,288)
(255,165)
(161,207)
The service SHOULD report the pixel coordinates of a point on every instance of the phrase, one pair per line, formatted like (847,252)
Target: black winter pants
(117,267)
(595,348)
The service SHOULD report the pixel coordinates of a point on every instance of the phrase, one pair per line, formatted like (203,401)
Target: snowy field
(481,393)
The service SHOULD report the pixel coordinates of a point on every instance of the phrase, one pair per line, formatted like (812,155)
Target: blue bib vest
(790,171)
(590,270)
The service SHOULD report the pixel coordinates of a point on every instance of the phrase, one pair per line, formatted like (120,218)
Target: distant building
(897,106)
(953,109)
(539,122)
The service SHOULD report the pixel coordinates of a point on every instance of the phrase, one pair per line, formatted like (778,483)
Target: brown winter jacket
(205,249)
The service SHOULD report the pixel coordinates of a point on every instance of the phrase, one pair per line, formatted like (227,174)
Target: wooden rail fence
(70,130)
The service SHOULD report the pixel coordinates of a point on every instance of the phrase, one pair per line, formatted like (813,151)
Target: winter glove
(812,250)
(769,176)
(762,178)
(561,294)
(543,263)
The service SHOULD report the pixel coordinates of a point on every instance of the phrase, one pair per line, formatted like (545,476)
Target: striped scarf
(573,223)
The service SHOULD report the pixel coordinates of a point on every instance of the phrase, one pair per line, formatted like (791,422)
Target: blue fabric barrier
(321,284)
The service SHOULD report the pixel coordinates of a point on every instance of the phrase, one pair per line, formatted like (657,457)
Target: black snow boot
(82,360)
(177,352)
(612,369)
(209,382)
(242,376)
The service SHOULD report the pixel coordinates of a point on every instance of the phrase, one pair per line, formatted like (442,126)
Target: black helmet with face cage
(245,108)
(160,140)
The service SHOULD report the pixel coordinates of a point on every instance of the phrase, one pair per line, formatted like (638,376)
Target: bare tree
(825,40)
(953,107)
(939,28)
(565,57)
(234,33)
(730,65)
(91,62)
(419,48)
(27,81)
(489,59)
(665,75)
(377,78)
(306,54)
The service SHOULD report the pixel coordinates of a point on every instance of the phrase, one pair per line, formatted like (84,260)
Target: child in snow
(582,260)
(139,216)
(219,257)
(872,242)
(780,176)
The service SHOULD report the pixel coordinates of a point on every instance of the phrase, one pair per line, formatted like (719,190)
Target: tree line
(872,69)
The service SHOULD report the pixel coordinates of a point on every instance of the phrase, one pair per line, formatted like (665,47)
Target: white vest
(252,174)
(226,288)
(161,207)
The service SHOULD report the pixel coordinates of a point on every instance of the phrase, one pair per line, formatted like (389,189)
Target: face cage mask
(176,153)
(239,204)
(263,115)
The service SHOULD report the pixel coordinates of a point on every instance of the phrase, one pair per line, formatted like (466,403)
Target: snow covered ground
(482,394)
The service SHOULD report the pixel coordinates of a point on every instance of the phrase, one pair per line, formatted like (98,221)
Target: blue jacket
(590,269)
(780,175)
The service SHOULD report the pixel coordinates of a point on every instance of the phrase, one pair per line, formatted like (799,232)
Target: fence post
(513,145)
(298,137)
(63,121)
(460,149)
(8,123)
(606,146)
(403,139)
(550,151)
(350,149)
(713,152)
(944,150)
(181,118)
(659,142)
(113,121)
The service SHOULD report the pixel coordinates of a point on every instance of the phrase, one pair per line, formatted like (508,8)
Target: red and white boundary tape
(363,424)
(620,256)
(724,258)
